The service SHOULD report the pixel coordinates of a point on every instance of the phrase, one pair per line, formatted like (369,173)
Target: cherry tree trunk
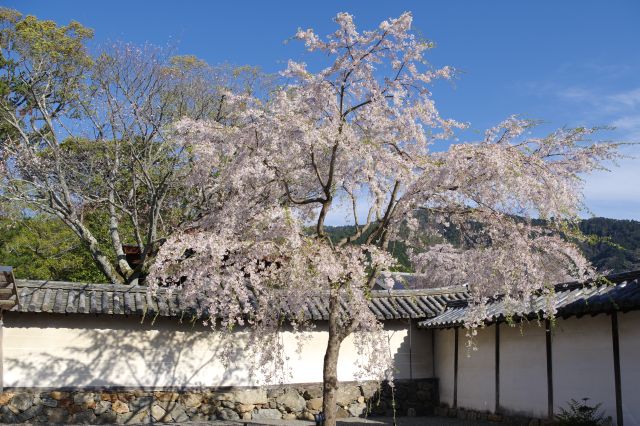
(330,370)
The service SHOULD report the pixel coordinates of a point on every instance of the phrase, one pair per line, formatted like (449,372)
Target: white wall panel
(476,370)
(43,350)
(583,362)
(523,369)
(444,354)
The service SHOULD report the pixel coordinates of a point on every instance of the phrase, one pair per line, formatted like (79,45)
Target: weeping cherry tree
(363,135)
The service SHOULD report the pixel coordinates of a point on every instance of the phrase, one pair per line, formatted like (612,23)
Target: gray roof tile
(619,292)
(108,299)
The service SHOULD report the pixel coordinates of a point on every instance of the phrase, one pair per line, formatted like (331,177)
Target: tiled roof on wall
(619,292)
(109,299)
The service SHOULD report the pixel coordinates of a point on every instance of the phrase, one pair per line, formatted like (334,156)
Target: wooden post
(497,409)
(455,369)
(547,325)
(1,351)
(616,368)
(410,352)
(433,352)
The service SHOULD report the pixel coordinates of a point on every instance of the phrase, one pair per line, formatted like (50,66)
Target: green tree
(43,248)
(83,136)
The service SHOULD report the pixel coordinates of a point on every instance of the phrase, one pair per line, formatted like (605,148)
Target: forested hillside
(43,248)
(616,248)
(620,248)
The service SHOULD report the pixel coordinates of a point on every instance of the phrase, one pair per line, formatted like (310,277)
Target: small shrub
(579,413)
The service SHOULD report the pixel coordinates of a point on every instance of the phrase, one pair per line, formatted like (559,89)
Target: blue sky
(568,63)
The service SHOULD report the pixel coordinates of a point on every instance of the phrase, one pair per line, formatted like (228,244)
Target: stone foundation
(108,406)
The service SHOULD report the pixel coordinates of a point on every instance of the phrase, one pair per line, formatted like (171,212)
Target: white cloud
(629,99)
(629,125)
(615,193)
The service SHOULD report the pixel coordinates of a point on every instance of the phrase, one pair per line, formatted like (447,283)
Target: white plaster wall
(53,351)
(582,357)
(476,370)
(583,362)
(629,335)
(444,354)
(421,354)
(523,369)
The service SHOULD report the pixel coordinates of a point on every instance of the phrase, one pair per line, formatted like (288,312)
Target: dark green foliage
(579,413)
(43,248)
(612,245)
(617,247)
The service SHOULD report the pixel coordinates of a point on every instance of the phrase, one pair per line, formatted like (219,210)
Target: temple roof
(122,300)
(618,292)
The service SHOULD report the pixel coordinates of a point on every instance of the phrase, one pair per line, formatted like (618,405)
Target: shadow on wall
(117,370)
(100,351)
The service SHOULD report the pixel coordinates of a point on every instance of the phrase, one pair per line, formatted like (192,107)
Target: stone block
(120,407)
(5,397)
(85,417)
(29,413)
(313,392)
(166,396)
(250,396)
(223,396)
(275,392)
(245,408)
(267,414)
(357,409)
(347,394)
(341,413)
(125,396)
(191,399)
(102,407)
(142,402)
(107,418)
(142,416)
(228,414)
(21,401)
(178,414)
(56,415)
(7,416)
(207,409)
(291,401)
(158,413)
(73,409)
(83,398)
(314,404)
(47,401)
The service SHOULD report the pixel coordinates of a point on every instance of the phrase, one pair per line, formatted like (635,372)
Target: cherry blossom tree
(363,134)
